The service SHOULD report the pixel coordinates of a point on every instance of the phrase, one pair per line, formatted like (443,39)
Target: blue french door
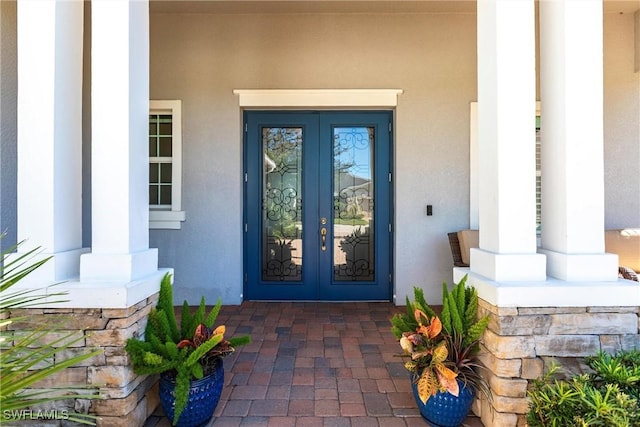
(318,205)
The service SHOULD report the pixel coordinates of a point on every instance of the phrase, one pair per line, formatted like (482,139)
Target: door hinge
(246,177)
(389,227)
(390,127)
(246,127)
(246,278)
(246,227)
(390,279)
(390,177)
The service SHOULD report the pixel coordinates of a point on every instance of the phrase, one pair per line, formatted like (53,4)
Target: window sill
(167,220)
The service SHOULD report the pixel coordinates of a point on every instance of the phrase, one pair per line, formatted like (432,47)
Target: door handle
(323,237)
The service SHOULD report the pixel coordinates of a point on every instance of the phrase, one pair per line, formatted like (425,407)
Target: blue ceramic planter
(445,409)
(204,395)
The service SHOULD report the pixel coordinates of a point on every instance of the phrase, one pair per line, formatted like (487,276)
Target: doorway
(318,205)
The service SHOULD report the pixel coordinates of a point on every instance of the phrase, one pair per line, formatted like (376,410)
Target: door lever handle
(323,237)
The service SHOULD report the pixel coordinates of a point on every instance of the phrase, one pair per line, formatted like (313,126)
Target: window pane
(153,147)
(153,173)
(165,146)
(153,128)
(153,194)
(165,195)
(353,204)
(165,172)
(282,204)
(165,129)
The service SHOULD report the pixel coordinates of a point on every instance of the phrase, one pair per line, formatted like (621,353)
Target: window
(165,165)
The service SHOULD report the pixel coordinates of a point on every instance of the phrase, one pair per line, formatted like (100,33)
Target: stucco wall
(432,57)
(621,123)
(202,58)
(8,122)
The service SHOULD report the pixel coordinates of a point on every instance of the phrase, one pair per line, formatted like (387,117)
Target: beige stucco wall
(621,123)
(431,57)
(202,58)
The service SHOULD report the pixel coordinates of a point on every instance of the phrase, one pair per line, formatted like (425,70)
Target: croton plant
(188,352)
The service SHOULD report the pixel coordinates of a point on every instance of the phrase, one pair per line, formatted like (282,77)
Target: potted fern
(187,357)
(443,351)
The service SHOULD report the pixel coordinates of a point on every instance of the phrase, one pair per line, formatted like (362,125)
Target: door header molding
(318,98)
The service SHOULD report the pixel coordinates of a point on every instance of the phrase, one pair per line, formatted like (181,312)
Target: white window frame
(170,218)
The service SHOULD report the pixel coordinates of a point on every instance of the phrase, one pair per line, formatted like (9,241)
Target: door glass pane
(353,190)
(282,204)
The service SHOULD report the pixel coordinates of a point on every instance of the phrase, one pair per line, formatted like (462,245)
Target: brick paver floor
(314,365)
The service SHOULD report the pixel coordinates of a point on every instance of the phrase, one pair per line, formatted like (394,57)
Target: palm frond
(29,357)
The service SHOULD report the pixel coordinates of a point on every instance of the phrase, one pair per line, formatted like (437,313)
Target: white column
(506,142)
(571,83)
(50,135)
(120,162)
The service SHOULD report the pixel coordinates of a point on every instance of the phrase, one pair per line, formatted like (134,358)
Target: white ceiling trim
(318,98)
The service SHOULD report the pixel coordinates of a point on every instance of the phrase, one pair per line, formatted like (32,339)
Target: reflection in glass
(282,204)
(353,204)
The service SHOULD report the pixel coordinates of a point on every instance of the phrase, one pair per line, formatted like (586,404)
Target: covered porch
(75,180)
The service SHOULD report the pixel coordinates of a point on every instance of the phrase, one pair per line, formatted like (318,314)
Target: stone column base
(127,399)
(520,342)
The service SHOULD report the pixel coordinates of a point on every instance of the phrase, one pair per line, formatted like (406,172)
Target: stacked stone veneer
(126,398)
(520,342)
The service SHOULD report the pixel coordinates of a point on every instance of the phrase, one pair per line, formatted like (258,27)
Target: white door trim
(318,98)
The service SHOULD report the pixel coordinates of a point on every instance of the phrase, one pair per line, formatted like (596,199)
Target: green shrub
(609,396)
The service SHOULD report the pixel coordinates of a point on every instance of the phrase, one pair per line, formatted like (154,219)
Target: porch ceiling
(342,6)
(312,6)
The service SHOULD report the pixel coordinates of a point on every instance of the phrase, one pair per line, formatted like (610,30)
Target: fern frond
(198,317)
(197,372)
(153,325)
(165,304)
(420,300)
(471,312)
(186,320)
(445,315)
(456,320)
(459,290)
(241,340)
(213,314)
(475,331)
(181,393)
